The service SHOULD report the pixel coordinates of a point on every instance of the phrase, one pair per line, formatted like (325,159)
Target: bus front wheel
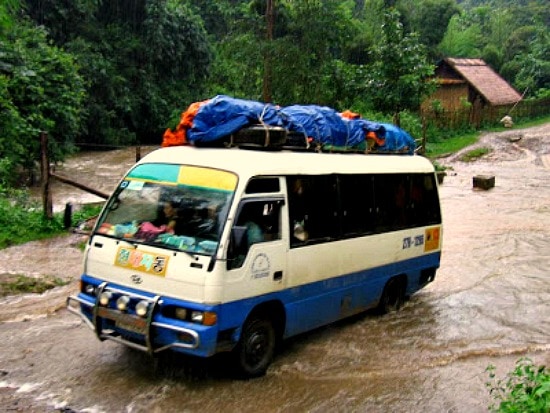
(256,348)
(393,296)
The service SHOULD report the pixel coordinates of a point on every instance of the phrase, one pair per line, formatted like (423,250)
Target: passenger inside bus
(170,211)
(251,218)
(298,211)
(259,221)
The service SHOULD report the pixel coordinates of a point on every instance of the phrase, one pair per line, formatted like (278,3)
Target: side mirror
(237,246)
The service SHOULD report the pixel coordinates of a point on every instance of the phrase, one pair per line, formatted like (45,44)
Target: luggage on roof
(227,121)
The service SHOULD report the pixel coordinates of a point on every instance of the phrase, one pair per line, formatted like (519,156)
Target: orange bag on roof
(348,114)
(374,137)
(178,137)
(371,137)
(188,116)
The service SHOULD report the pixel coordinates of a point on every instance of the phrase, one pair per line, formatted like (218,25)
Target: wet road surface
(489,304)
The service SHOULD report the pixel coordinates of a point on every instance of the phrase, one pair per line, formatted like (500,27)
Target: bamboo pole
(80,186)
(45,175)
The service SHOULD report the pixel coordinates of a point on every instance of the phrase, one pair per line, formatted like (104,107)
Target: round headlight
(181,313)
(105,297)
(122,302)
(141,308)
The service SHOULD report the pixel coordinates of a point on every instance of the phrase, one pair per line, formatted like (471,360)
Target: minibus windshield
(178,207)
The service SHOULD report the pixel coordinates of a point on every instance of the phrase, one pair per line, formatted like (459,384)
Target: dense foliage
(40,90)
(525,389)
(141,59)
(119,72)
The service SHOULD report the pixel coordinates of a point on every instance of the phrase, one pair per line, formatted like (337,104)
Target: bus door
(257,253)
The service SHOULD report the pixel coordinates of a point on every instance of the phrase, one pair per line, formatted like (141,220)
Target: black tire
(393,296)
(256,348)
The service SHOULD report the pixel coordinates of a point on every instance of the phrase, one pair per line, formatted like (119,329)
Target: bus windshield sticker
(135,185)
(141,261)
(207,178)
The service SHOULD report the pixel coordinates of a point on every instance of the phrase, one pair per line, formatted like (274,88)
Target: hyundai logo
(136,279)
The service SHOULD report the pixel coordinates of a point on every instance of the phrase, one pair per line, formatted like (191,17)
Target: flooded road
(489,304)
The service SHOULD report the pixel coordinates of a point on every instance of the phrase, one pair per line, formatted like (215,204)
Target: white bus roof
(247,162)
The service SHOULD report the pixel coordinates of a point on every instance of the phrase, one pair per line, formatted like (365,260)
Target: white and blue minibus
(209,250)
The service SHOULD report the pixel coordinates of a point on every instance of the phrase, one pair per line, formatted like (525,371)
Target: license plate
(124,321)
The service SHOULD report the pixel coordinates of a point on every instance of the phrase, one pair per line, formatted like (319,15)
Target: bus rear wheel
(256,348)
(393,296)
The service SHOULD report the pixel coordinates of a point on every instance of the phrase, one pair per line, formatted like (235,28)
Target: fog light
(105,297)
(122,302)
(181,313)
(89,289)
(141,308)
(186,338)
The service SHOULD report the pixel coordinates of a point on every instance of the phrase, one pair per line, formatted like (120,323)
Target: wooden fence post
(45,175)
(424,132)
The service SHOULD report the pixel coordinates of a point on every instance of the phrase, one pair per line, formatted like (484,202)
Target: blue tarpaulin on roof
(397,140)
(327,126)
(224,115)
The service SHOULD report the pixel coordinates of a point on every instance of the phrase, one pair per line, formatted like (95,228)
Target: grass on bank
(22,284)
(22,220)
(474,154)
(455,141)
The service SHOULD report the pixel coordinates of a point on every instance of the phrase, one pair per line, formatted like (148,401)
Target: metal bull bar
(128,322)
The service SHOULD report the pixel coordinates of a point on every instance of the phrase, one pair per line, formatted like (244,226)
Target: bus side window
(424,195)
(257,221)
(313,209)
(357,203)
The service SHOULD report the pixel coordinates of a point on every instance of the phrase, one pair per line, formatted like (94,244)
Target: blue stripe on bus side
(315,304)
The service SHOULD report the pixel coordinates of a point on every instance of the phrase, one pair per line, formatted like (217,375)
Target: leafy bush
(22,220)
(526,389)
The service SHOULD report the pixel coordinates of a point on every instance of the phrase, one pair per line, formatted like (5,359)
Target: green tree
(141,60)
(397,78)
(305,52)
(364,23)
(461,39)
(41,90)
(7,9)
(428,18)
(305,60)
(533,72)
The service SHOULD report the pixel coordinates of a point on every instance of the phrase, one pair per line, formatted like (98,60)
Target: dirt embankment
(510,145)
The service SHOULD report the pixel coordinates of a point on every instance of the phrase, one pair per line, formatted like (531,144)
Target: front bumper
(141,333)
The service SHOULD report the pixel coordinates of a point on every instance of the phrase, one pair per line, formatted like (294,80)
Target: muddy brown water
(489,304)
